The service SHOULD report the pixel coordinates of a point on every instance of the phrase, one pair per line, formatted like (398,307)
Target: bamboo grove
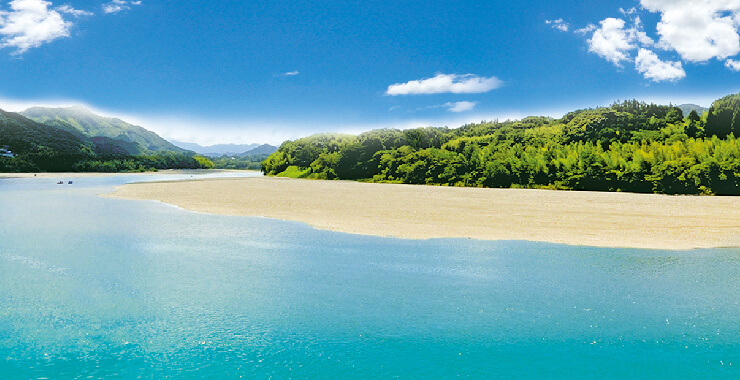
(628,146)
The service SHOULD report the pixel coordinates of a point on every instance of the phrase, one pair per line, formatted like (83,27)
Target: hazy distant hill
(687,108)
(262,149)
(217,150)
(133,139)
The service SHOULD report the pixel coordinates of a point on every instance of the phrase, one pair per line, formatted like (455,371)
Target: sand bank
(421,212)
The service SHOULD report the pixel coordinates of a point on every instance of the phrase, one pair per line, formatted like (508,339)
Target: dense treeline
(628,146)
(248,162)
(40,147)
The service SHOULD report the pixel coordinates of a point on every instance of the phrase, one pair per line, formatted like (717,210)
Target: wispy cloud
(116,6)
(587,29)
(461,106)
(66,8)
(74,12)
(30,23)
(446,83)
(451,106)
(558,24)
(291,73)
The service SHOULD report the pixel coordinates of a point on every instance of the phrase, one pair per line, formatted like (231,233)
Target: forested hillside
(628,146)
(41,147)
(136,140)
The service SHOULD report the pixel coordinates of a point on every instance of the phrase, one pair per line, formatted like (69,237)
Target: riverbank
(423,212)
(97,174)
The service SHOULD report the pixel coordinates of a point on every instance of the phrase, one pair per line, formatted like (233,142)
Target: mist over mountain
(134,139)
(74,139)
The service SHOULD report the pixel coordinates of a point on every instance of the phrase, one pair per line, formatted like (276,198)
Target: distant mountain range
(219,150)
(264,149)
(687,108)
(128,138)
(75,139)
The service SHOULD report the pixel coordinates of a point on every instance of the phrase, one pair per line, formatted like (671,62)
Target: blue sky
(266,71)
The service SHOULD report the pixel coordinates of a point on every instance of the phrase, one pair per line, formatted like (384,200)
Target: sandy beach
(422,212)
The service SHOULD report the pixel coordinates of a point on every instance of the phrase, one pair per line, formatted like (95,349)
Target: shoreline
(100,174)
(599,219)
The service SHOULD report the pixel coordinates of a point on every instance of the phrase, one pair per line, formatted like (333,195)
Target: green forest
(628,146)
(39,147)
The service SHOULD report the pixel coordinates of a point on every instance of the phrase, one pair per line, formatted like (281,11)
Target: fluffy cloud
(116,6)
(695,30)
(446,83)
(732,64)
(698,30)
(30,23)
(611,41)
(648,64)
(558,24)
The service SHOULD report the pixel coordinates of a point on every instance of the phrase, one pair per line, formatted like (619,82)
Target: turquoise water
(92,287)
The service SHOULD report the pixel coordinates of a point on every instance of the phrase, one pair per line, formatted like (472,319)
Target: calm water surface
(92,287)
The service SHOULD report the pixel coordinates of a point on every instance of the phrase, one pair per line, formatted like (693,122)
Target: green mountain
(134,140)
(687,108)
(40,146)
(63,147)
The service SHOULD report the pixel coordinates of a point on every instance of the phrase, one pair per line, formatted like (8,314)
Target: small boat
(69,183)
(60,183)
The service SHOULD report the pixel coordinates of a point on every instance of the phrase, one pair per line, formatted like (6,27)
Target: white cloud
(446,83)
(74,12)
(29,24)
(698,30)
(732,64)
(611,41)
(588,29)
(460,106)
(558,24)
(291,73)
(648,64)
(116,6)
(450,106)
(637,34)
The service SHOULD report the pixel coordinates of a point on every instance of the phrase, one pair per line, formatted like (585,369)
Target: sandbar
(600,219)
